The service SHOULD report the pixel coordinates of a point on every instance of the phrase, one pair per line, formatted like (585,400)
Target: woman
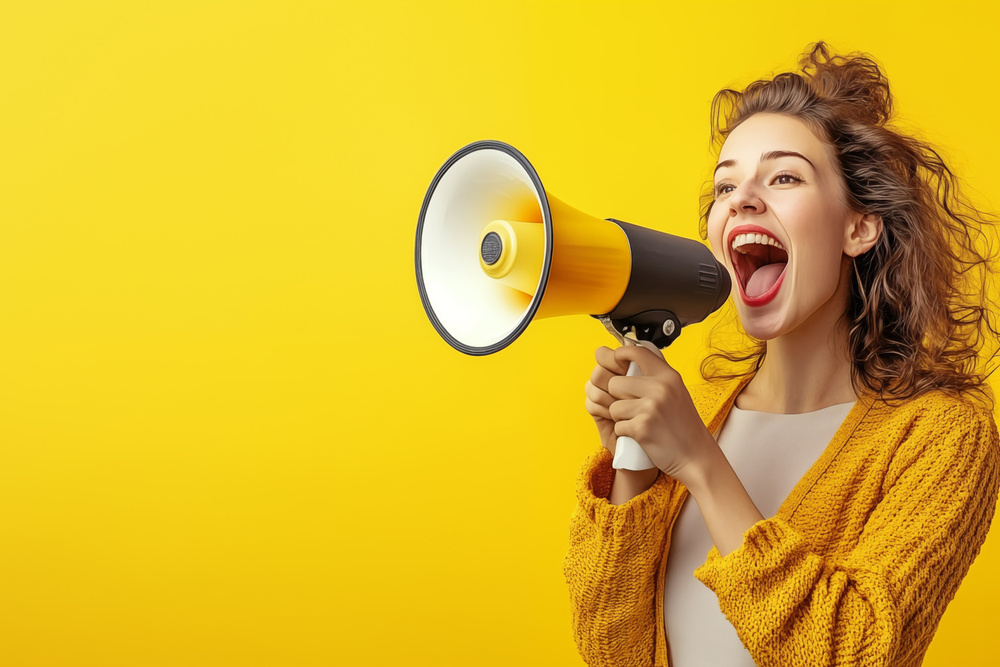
(844,482)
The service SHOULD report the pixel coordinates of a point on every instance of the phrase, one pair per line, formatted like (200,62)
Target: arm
(725,505)
(880,603)
(611,566)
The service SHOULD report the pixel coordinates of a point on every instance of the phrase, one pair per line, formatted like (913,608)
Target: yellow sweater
(856,568)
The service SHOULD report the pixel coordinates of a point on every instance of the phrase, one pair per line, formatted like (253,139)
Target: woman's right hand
(599,401)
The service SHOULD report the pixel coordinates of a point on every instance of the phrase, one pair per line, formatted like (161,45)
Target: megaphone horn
(494,250)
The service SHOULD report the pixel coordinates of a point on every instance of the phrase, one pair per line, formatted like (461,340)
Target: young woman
(821,506)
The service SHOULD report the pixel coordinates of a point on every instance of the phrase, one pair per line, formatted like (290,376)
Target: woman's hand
(599,401)
(656,410)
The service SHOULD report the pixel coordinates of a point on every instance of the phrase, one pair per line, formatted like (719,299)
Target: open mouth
(759,260)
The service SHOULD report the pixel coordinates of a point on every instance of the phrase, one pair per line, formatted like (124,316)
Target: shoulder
(952,429)
(937,412)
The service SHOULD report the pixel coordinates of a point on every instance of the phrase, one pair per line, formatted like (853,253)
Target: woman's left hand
(656,410)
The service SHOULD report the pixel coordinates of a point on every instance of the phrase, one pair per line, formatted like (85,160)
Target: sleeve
(611,567)
(881,603)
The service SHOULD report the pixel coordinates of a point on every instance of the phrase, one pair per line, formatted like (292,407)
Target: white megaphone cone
(494,250)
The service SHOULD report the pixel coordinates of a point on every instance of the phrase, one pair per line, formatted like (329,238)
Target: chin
(762,325)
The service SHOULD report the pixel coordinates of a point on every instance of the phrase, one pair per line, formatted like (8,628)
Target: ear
(862,232)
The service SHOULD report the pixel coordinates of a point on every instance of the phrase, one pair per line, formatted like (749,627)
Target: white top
(770,453)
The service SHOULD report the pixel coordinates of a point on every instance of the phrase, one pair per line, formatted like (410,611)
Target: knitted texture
(856,568)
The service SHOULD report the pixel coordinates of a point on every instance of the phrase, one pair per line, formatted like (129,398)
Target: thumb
(649,359)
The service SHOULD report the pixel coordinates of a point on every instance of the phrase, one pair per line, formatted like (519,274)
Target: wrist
(703,472)
(628,484)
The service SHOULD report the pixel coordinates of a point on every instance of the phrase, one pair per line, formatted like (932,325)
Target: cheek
(716,228)
(821,251)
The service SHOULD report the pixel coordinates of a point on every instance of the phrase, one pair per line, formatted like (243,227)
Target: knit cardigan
(856,568)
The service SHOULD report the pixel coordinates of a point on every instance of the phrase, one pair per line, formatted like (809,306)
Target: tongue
(763,279)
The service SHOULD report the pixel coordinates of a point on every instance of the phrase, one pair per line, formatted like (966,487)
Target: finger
(632,428)
(599,377)
(649,362)
(627,387)
(625,410)
(597,410)
(607,358)
(598,395)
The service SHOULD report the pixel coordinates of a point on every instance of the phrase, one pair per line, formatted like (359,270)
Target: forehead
(765,132)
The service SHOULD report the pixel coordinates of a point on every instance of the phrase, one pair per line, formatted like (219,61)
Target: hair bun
(854,83)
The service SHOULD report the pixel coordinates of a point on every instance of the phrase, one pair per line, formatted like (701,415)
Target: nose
(745,200)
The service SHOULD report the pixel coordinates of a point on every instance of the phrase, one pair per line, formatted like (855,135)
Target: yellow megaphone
(494,250)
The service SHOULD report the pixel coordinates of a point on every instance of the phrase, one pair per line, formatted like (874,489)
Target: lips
(759,261)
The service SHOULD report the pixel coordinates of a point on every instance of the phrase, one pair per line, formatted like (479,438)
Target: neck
(808,368)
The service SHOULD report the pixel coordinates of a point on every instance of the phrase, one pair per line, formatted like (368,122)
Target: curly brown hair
(920,316)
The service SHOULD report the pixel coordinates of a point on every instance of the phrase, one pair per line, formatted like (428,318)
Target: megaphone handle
(628,453)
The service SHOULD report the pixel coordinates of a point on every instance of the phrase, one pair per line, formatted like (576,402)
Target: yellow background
(228,433)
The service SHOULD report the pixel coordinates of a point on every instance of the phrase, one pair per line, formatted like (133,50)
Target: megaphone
(495,250)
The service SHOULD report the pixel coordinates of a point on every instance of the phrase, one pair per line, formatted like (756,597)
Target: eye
(786,178)
(723,188)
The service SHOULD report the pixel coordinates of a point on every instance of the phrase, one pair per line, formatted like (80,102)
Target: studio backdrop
(229,432)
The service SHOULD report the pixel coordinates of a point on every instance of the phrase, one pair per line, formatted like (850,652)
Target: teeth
(760,239)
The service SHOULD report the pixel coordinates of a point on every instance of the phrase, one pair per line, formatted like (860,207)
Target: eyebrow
(770,155)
